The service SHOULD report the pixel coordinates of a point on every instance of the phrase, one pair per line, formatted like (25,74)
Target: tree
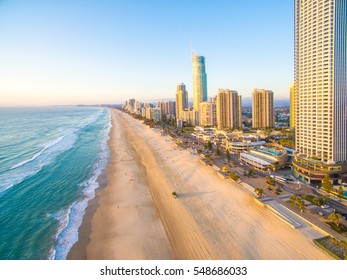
(209,145)
(270,181)
(259,191)
(217,152)
(234,176)
(228,155)
(335,218)
(340,191)
(299,202)
(326,183)
(251,172)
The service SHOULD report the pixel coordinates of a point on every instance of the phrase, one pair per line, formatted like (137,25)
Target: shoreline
(143,169)
(79,249)
(94,223)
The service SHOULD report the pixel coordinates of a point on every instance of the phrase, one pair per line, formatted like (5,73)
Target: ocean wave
(71,219)
(27,168)
(48,145)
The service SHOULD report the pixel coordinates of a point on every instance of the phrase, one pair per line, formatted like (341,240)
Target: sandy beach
(135,217)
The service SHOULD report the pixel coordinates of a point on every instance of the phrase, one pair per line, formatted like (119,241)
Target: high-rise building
(292,107)
(240,112)
(156,114)
(170,108)
(262,108)
(207,114)
(228,112)
(181,100)
(199,81)
(320,90)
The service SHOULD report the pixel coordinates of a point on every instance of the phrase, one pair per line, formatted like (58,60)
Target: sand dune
(137,218)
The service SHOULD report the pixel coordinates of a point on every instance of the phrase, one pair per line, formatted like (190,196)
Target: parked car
(325,206)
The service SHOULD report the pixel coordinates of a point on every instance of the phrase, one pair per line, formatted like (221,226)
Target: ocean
(50,160)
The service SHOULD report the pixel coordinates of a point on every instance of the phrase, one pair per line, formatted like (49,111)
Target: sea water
(50,160)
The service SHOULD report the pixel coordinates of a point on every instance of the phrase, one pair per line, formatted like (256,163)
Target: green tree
(270,181)
(251,172)
(335,218)
(326,184)
(259,191)
(228,155)
(234,176)
(209,145)
(301,204)
(340,191)
(217,152)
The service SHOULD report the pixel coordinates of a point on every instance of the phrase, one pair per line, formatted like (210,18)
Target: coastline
(135,217)
(97,232)
(79,249)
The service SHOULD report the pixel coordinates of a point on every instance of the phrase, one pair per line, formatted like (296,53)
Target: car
(344,217)
(321,214)
(325,206)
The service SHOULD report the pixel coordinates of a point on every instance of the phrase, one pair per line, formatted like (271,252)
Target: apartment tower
(207,114)
(199,81)
(292,107)
(263,108)
(181,100)
(228,109)
(320,90)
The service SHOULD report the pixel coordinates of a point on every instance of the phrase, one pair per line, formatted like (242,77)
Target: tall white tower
(320,89)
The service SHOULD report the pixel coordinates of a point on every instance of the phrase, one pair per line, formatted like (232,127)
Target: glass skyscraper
(199,80)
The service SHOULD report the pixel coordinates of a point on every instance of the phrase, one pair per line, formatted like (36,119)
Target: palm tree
(228,155)
(326,184)
(335,218)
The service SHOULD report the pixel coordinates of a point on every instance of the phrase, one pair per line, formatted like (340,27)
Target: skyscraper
(262,108)
(199,80)
(292,107)
(228,109)
(181,100)
(320,90)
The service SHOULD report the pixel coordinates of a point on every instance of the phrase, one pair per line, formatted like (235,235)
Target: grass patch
(334,247)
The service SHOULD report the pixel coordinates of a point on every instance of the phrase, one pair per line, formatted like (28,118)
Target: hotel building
(320,90)
(263,108)
(199,81)
(292,107)
(228,109)
(181,100)
(207,114)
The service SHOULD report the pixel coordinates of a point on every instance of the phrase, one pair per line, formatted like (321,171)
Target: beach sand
(135,216)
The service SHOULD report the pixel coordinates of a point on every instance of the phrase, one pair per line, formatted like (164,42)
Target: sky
(91,52)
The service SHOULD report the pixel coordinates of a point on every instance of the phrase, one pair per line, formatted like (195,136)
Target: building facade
(199,81)
(170,108)
(181,100)
(228,109)
(292,107)
(262,109)
(207,114)
(320,90)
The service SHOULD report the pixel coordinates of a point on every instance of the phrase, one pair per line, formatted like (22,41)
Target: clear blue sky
(68,52)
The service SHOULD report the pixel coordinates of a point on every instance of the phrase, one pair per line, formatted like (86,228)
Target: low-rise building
(266,158)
